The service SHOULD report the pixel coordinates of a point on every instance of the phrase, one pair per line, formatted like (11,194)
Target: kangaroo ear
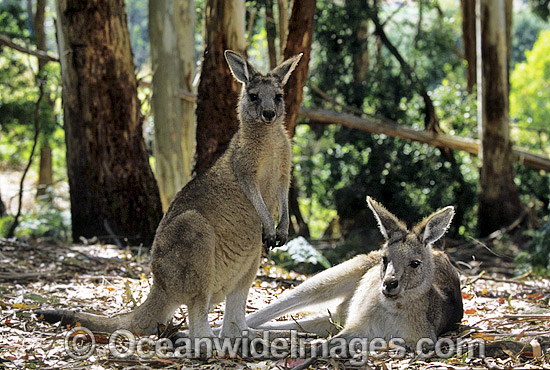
(240,68)
(389,225)
(284,70)
(435,226)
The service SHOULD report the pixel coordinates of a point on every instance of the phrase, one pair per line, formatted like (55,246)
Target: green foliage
(5,224)
(530,93)
(526,29)
(338,167)
(541,8)
(15,147)
(19,78)
(530,113)
(13,20)
(536,255)
(48,220)
(299,255)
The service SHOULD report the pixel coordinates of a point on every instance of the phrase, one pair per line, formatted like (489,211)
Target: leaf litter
(511,315)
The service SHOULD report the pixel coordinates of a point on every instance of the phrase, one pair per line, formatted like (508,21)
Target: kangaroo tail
(96,323)
(144,320)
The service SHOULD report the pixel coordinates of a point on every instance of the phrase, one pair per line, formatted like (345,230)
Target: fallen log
(393,129)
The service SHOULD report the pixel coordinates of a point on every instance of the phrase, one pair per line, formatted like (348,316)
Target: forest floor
(511,316)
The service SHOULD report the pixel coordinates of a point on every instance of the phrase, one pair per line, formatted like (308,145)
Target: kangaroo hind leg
(183,263)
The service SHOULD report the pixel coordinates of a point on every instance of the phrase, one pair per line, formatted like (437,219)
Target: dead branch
(508,281)
(6,41)
(393,129)
(431,119)
(527,317)
(394,13)
(282,281)
(29,275)
(505,349)
(15,223)
(252,15)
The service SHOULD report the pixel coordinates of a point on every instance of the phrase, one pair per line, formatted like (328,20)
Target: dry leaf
(520,335)
(537,350)
(482,336)
(24,306)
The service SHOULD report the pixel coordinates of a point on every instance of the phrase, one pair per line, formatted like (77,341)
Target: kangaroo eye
(414,264)
(279,97)
(253,97)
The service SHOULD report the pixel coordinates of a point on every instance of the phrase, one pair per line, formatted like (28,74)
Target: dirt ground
(510,315)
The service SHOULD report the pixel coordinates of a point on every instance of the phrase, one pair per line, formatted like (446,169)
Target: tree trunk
(283,26)
(171,34)
(301,228)
(271,34)
(40,33)
(298,40)
(360,60)
(300,36)
(498,197)
(469,41)
(218,91)
(45,173)
(113,191)
(2,207)
(359,25)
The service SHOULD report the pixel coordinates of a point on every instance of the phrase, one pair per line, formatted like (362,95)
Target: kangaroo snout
(268,115)
(391,288)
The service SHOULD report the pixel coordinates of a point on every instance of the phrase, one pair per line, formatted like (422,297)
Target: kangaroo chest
(268,178)
(372,315)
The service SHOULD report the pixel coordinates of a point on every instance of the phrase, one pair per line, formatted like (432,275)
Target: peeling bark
(499,203)
(171,33)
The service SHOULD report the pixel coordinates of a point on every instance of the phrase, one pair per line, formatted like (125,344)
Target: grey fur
(208,244)
(380,294)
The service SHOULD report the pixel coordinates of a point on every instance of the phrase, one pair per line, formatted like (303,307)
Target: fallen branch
(6,41)
(18,276)
(528,317)
(282,281)
(393,129)
(507,281)
(431,120)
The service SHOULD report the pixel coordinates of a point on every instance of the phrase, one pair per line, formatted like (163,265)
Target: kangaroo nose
(268,115)
(391,284)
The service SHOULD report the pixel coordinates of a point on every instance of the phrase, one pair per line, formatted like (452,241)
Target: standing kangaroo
(208,244)
(405,290)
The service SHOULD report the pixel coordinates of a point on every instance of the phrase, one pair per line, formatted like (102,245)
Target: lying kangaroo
(405,290)
(208,244)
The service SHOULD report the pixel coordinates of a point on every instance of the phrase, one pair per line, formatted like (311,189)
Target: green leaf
(36,297)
